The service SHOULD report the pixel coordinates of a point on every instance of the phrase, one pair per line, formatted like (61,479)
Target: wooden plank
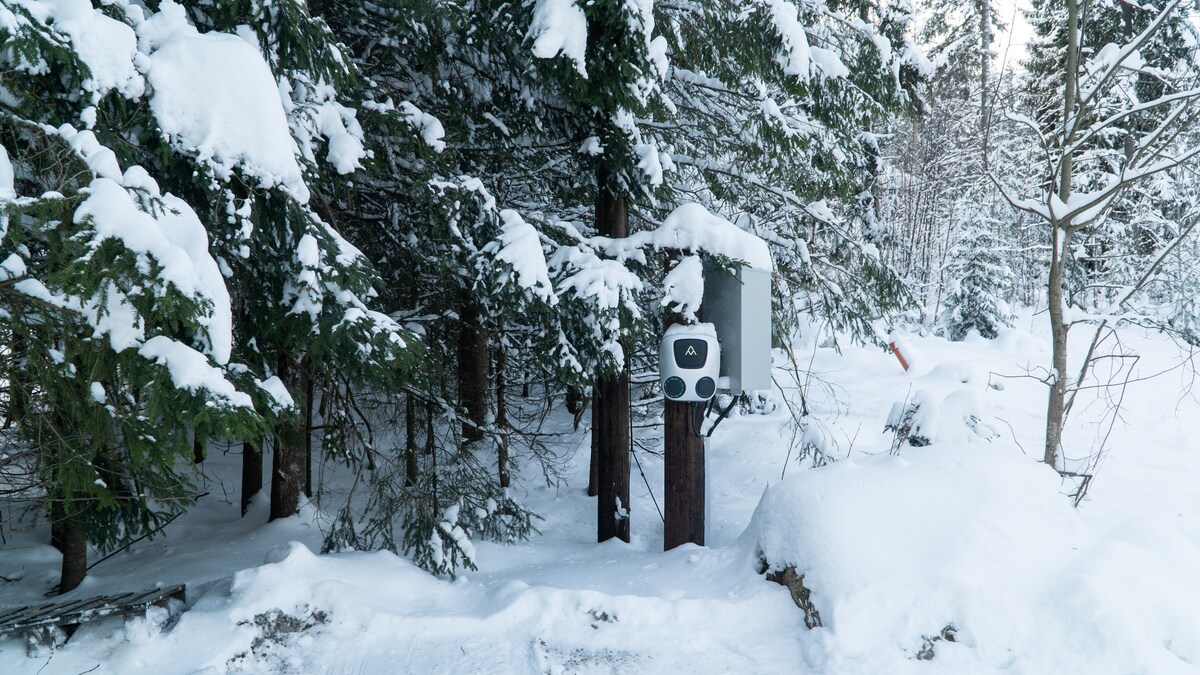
(83,610)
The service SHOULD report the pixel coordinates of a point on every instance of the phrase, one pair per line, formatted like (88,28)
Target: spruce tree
(978,280)
(115,311)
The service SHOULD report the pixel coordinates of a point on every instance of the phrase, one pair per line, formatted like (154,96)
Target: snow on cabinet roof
(691,227)
(214,94)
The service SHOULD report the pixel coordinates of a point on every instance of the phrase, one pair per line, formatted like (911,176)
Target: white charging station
(689,362)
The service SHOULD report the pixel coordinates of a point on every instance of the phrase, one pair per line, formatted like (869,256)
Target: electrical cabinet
(738,305)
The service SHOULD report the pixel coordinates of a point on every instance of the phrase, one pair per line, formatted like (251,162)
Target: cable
(698,419)
(633,452)
(722,416)
(647,482)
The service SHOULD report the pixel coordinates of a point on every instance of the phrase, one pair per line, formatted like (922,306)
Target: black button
(705,387)
(674,387)
(691,353)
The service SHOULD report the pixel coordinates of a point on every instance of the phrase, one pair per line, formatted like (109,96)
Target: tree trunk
(252,468)
(74,554)
(612,501)
(287,475)
(683,468)
(473,361)
(1060,239)
(610,401)
(1058,336)
(594,463)
(501,409)
(410,442)
(198,443)
(307,384)
(985,31)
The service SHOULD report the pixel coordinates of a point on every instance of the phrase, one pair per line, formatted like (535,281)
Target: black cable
(633,452)
(722,416)
(647,482)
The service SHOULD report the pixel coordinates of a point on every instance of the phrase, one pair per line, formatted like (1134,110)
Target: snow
(215,96)
(183,229)
(106,46)
(177,242)
(191,370)
(893,547)
(7,192)
(432,131)
(277,390)
(560,27)
(796,59)
(520,248)
(695,329)
(649,162)
(12,267)
(340,127)
(690,227)
(683,287)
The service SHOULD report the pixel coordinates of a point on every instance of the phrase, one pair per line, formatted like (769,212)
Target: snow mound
(979,538)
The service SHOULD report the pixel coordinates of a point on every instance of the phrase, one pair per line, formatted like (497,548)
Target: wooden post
(683,467)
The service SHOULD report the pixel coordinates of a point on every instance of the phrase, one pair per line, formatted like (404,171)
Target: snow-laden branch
(1107,63)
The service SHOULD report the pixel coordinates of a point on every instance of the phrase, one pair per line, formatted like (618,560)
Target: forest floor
(970,532)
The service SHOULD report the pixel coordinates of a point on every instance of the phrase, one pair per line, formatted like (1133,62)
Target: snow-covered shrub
(925,419)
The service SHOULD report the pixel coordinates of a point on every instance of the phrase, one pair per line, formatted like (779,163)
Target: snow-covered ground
(970,532)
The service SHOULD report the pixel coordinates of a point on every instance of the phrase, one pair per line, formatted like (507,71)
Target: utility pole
(683,470)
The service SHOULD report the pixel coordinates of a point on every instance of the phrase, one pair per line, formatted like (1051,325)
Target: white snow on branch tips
(214,95)
(106,46)
(183,229)
(690,227)
(684,287)
(281,399)
(191,370)
(649,162)
(339,125)
(560,27)
(796,58)
(178,244)
(432,131)
(7,191)
(520,247)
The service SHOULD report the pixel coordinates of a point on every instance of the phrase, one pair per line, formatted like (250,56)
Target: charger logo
(690,353)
